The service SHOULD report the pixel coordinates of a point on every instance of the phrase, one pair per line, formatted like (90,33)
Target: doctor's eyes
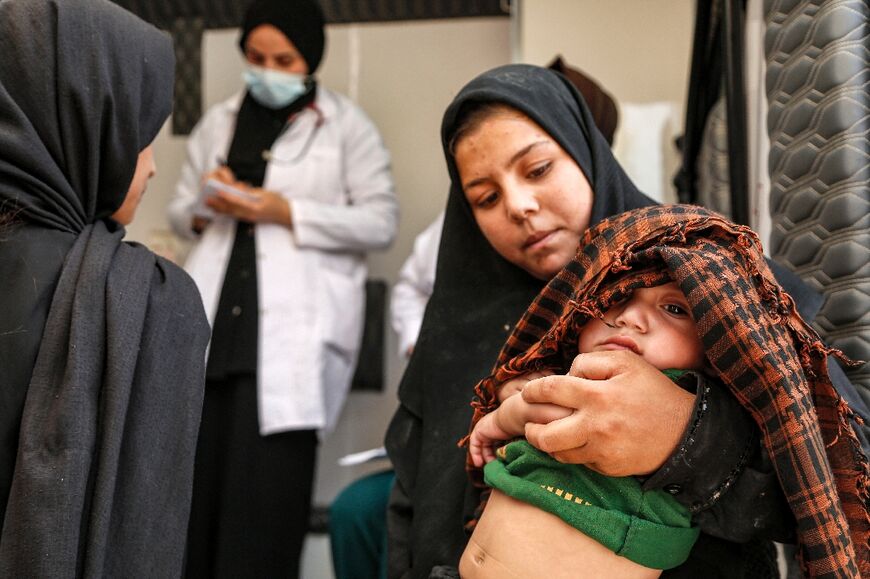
(285,61)
(280,61)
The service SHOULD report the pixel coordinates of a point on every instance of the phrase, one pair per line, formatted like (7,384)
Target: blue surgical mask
(273,88)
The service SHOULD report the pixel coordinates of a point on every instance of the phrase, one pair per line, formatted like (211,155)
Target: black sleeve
(399,517)
(856,401)
(721,472)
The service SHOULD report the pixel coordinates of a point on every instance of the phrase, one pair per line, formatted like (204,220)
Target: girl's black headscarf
(477,299)
(101,342)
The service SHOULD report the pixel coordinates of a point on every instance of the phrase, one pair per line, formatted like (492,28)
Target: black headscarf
(101,342)
(74,120)
(300,20)
(600,102)
(477,299)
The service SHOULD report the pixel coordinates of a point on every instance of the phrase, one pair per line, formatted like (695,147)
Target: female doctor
(280,262)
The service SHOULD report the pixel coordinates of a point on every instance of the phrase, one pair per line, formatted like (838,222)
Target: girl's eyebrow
(514,158)
(524,151)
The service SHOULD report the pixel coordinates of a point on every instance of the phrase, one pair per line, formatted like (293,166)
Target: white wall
(638,49)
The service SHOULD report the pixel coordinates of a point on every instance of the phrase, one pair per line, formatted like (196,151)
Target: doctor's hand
(628,417)
(258,206)
(223,174)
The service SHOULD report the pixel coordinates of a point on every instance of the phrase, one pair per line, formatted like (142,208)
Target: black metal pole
(735,103)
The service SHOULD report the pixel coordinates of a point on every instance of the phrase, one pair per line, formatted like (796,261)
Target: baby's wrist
(511,418)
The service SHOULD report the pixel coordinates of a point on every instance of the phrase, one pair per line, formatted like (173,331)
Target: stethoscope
(271,158)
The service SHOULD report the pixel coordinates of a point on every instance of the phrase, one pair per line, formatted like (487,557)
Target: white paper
(363,457)
(210,189)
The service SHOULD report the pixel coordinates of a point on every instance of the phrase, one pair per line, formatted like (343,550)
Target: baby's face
(654,323)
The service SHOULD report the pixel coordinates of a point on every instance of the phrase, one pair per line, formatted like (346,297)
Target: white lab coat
(311,278)
(414,287)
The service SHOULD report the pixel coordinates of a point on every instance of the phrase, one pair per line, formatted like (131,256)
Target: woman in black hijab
(101,342)
(479,295)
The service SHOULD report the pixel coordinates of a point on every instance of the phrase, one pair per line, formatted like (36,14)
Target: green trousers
(358,528)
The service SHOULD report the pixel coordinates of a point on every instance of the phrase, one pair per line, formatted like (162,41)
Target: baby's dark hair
(471,116)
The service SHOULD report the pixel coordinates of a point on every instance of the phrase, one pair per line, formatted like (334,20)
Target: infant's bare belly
(515,539)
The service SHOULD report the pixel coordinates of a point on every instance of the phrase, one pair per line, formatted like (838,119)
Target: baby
(639,284)
(654,323)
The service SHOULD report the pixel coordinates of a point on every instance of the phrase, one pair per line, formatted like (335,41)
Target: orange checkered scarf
(755,341)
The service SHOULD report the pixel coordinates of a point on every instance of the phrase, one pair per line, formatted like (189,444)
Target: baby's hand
(482,441)
(509,419)
(544,413)
(515,386)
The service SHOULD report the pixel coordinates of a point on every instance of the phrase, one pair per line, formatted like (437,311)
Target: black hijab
(300,20)
(257,126)
(477,299)
(101,342)
(85,87)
